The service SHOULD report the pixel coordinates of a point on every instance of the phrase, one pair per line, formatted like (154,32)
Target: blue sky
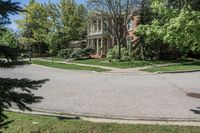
(25,2)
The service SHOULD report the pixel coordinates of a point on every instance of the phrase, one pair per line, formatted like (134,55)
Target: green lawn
(67,66)
(24,123)
(104,62)
(181,67)
(127,64)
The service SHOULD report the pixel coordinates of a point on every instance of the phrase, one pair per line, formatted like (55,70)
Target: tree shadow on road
(194,95)
(196,111)
(18,92)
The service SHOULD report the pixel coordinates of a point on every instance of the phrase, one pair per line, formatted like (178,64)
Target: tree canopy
(8,38)
(52,25)
(176,23)
(34,26)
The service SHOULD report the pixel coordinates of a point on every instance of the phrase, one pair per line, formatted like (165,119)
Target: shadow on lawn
(18,92)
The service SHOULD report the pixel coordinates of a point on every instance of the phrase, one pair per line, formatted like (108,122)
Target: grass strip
(67,66)
(26,123)
(175,68)
(127,64)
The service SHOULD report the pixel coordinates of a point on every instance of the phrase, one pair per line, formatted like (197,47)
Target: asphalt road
(114,95)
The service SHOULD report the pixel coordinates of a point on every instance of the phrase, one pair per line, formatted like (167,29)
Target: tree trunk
(39,50)
(119,49)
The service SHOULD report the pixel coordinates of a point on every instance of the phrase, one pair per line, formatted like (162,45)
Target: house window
(95,25)
(129,25)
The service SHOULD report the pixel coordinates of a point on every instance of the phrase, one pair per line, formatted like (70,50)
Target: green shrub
(113,54)
(65,53)
(77,53)
(82,53)
(89,51)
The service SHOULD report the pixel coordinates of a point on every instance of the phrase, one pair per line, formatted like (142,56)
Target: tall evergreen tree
(14,91)
(143,50)
(11,54)
(6,8)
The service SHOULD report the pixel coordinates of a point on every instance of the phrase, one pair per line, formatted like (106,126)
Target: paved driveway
(127,96)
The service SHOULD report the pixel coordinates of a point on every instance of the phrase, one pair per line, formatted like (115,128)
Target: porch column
(102,25)
(101,46)
(88,28)
(88,43)
(92,43)
(92,26)
(97,25)
(97,46)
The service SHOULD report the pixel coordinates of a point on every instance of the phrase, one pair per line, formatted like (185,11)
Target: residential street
(115,95)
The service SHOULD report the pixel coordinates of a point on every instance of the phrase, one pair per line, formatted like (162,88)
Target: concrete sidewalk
(111,69)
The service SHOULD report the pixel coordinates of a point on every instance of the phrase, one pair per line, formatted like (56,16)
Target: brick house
(101,40)
(131,38)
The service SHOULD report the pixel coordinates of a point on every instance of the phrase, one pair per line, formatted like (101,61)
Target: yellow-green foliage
(176,23)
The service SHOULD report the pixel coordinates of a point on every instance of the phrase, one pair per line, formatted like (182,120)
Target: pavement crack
(173,84)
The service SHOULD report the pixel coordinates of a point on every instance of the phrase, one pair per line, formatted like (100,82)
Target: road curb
(112,120)
(186,71)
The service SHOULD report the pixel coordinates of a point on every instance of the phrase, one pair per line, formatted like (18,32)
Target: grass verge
(175,68)
(126,64)
(24,123)
(67,66)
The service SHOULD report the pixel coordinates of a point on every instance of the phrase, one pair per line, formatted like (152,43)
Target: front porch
(101,45)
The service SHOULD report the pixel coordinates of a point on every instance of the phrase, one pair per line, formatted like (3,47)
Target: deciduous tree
(8,38)
(176,23)
(34,26)
(73,18)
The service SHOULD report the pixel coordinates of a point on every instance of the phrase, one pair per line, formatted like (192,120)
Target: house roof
(77,42)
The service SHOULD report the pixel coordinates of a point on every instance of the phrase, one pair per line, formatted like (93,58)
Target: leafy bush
(113,54)
(89,51)
(82,53)
(155,51)
(65,53)
(77,53)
